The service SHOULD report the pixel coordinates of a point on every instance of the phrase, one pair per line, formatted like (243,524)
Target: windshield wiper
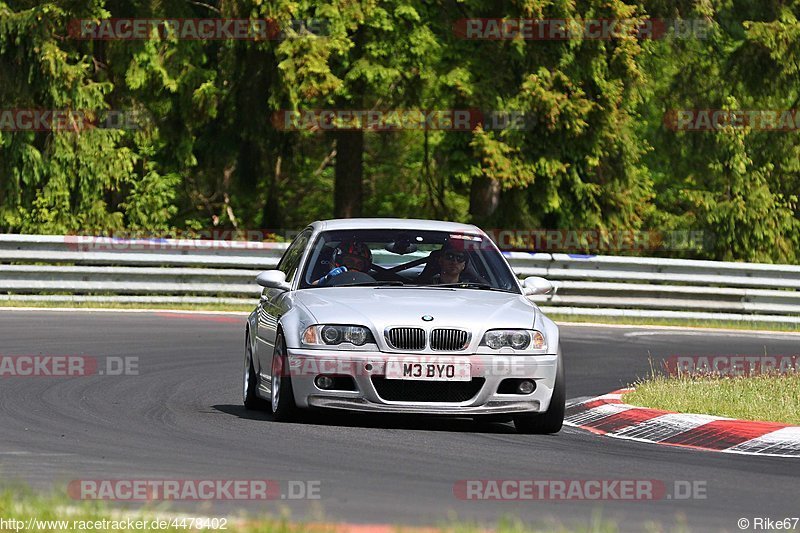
(471,285)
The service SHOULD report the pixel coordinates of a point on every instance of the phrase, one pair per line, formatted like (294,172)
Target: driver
(349,256)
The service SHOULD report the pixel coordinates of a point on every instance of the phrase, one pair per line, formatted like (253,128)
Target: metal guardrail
(152,271)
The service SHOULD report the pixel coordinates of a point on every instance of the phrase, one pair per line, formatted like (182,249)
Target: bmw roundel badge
(427,318)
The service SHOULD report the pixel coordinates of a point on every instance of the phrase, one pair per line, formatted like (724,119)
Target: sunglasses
(458,258)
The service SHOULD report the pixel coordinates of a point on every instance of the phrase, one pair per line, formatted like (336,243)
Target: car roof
(393,223)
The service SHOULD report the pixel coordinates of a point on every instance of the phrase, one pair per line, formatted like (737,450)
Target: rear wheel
(250,378)
(551,420)
(283,406)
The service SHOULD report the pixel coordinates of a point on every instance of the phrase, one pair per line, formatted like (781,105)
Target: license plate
(428,371)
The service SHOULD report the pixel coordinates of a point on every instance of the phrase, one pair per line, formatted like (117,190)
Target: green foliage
(739,186)
(747,219)
(594,152)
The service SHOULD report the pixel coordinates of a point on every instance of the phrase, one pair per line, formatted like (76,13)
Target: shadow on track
(383,421)
(241,412)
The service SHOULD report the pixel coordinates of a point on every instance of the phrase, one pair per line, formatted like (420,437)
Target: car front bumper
(367,371)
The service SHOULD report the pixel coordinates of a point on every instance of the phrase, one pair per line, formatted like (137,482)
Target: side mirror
(273,279)
(536,285)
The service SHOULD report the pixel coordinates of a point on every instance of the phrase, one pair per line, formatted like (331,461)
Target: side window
(291,258)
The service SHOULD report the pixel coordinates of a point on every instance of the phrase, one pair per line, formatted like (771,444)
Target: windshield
(407,258)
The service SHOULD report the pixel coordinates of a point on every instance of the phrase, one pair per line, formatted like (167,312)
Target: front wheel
(249,397)
(283,406)
(551,420)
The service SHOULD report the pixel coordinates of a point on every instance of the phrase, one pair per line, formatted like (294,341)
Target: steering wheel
(348,278)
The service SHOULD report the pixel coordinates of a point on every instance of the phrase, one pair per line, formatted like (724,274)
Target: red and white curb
(607,415)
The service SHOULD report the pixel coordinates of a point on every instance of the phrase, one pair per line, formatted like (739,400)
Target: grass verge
(24,510)
(128,305)
(767,397)
(689,323)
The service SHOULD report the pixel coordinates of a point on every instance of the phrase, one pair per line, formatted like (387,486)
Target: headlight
(518,339)
(335,334)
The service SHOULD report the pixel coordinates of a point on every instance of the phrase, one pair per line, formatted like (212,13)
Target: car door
(272,304)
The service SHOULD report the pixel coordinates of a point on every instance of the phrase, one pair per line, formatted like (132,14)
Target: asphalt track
(181,418)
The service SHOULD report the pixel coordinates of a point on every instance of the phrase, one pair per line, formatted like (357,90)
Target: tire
(283,406)
(250,398)
(551,420)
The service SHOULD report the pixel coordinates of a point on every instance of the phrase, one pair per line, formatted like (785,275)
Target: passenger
(451,263)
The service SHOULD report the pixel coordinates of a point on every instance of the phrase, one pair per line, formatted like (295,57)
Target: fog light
(525,387)
(324,382)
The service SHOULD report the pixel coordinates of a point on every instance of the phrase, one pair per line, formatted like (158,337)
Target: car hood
(380,307)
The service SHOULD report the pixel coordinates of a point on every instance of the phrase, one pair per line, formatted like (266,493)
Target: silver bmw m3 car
(402,316)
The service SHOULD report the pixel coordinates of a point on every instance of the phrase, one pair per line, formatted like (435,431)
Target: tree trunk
(349,173)
(348,194)
(484,197)
(271,215)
